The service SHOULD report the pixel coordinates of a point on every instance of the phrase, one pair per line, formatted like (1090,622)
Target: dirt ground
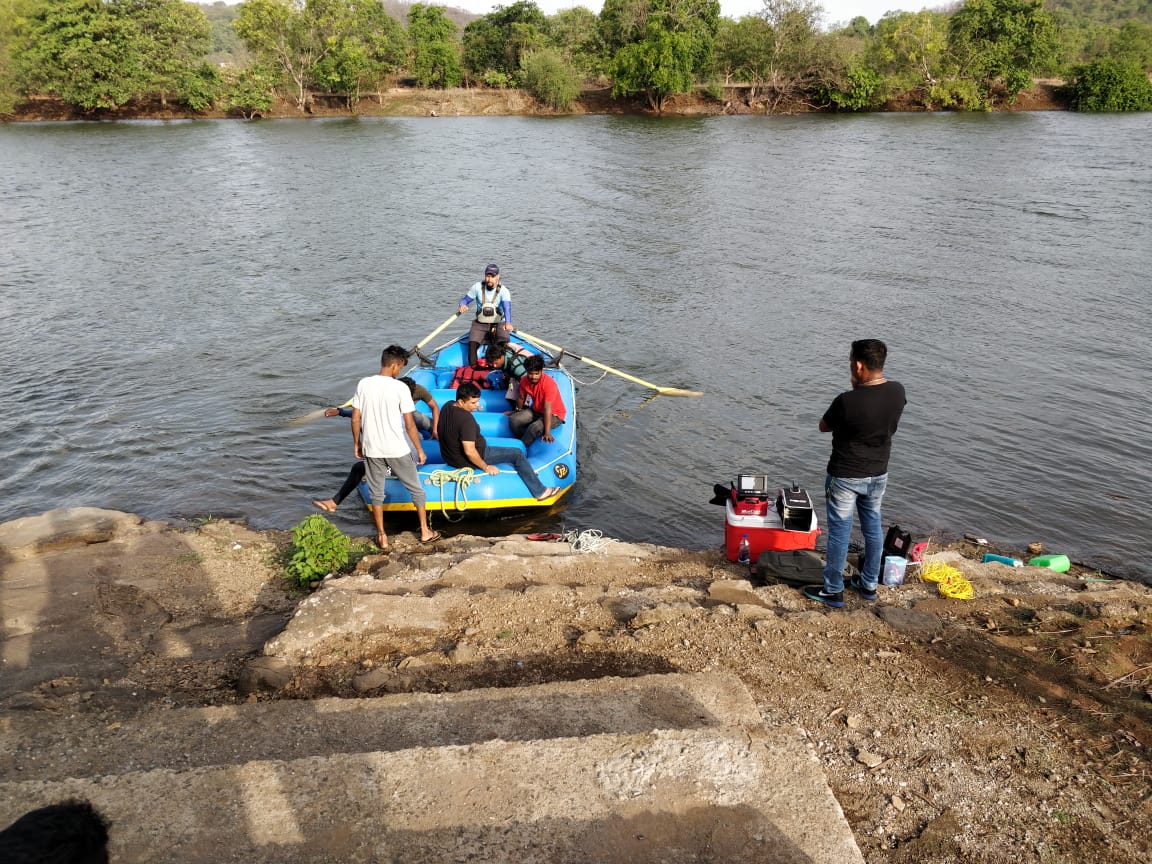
(478,101)
(1014,726)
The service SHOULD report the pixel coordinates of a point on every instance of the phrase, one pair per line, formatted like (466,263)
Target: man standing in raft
(493,312)
(382,427)
(862,422)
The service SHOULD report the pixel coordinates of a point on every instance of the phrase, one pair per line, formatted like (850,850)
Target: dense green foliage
(1111,85)
(497,41)
(318,548)
(103,54)
(550,79)
(435,60)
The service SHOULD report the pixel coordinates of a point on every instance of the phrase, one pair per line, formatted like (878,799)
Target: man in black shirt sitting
(862,422)
(462,445)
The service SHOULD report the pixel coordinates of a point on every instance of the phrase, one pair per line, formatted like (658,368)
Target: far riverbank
(479,101)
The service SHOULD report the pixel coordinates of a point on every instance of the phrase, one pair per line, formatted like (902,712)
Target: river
(172,294)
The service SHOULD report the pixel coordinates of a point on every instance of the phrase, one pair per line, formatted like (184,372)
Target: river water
(172,294)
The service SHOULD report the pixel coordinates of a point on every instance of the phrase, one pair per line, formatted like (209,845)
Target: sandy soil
(1015,726)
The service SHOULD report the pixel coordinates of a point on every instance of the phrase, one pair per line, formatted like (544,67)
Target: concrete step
(46,746)
(718,794)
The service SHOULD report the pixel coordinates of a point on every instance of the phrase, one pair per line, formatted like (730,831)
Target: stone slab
(61,528)
(41,746)
(703,795)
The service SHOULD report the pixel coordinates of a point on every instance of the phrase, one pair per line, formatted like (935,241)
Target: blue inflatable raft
(455,491)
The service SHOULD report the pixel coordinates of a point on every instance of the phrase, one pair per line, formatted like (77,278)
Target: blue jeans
(843,494)
(519,461)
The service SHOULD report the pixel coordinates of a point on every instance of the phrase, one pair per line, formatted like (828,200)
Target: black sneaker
(817,593)
(856,585)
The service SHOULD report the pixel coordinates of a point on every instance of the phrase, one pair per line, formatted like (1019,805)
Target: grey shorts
(403,469)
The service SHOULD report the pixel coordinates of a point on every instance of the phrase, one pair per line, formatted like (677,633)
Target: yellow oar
(435,333)
(314,415)
(663,391)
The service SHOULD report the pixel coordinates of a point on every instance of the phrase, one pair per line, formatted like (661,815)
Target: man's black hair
(871,352)
(535,363)
(467,390)
(393,353)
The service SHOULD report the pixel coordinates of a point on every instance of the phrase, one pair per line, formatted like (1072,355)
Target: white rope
(585,542)
(584,383)
(463,478)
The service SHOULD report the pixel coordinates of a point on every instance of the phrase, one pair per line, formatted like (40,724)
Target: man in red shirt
(547,406)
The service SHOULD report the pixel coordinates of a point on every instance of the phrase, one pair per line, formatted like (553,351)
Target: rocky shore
(1014,726)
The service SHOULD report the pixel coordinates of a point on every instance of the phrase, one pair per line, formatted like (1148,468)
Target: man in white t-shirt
(382,427)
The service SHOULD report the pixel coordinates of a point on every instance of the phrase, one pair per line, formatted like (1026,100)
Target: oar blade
(676,391)
(306,418)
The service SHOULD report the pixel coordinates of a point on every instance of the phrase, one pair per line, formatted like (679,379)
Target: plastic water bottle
(744,556)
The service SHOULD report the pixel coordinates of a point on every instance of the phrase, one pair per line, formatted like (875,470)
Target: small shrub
(1111,85)
(548,78)
(201,87)
(497,80)
(714,90)
(318,548)
(250,91)
(858,91)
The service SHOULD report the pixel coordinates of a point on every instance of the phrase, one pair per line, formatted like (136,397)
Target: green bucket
(1059,563)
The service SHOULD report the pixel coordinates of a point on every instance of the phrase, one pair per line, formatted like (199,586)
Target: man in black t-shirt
(462,445)
(862,422)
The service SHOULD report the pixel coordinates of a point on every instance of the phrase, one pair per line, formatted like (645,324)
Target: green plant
(497,80)
(318,548)
(714,90)
(1111,85)
(550,79)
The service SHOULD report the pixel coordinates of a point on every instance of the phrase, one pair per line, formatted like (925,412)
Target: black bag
(798,567)
(897,542)
(795,508)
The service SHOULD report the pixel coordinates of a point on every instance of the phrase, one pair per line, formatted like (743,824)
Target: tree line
(976,55)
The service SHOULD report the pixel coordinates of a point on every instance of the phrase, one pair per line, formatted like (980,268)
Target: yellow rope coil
(949,581)
(463,478)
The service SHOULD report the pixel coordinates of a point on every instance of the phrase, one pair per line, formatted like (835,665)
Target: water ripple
(167,309)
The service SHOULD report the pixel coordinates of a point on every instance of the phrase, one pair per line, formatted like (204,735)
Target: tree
(1002,44)
(1132,44)
(293,36)
(796,47)
(250,91)
(743,50)
(435,50)
(172,37)
(495,42)
(575,34)
(551,80)
(80,50)
(13,15)
(659,66)
(370,45)
(910,48)
(659,46)
(1111,85)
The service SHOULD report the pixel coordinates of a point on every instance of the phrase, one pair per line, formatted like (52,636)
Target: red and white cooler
(766,532)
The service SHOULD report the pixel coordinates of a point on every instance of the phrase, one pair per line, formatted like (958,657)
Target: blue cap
(491,270)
